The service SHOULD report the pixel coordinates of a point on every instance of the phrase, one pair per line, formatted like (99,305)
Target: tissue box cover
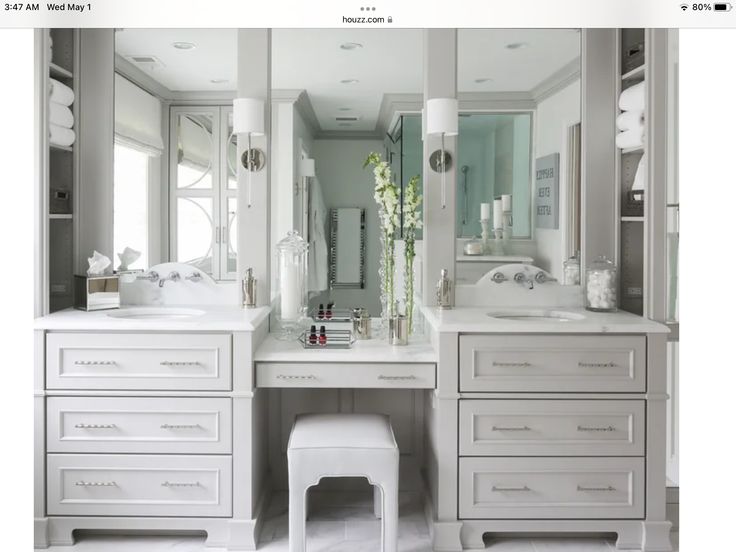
(93,293)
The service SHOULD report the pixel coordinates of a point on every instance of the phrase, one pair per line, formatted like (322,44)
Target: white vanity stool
(343,445)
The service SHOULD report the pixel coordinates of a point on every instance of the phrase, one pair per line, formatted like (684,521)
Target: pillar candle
(289,285)
(497,213)
(485,211)
(506,202)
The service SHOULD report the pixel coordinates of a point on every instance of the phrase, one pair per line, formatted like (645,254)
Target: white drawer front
(551,488)
(139,485)
(138,361)
(335,374)
(491,363)
(139,425)
(551,427)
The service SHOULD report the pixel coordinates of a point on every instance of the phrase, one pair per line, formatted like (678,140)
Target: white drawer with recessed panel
(371,375)
(139,425)
(139,485)
(509,427)
(561,363)
(551,488)
(138,361)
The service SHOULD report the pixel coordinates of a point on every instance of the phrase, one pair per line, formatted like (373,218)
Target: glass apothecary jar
(571,271)
(601,283)
(291,283)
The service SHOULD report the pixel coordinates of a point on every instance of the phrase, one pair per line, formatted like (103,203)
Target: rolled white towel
(633,98)
(61,136)
(640,178)
(630,119)
(630,138)
(60,115)
(61,93)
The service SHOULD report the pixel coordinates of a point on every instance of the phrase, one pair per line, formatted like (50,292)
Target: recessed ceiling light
(349,81)
(344,109)
(184,45)
(350,45)
(483,80)
(517,45)
(218,81)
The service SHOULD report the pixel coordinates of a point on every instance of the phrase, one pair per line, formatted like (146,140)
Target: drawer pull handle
(293,377)
(597,364)
(96,484)
(523,489)
(512,364)
(523,428)
(608,489)
(94,363)
(169,484)
(95,426)
(180,426)
(397,378)
(607,428)
(179,363)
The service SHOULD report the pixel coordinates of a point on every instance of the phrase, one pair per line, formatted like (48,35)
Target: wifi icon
(683,7)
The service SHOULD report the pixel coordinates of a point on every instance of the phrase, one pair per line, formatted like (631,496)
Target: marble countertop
(369,350)
(224,318)
(476,320)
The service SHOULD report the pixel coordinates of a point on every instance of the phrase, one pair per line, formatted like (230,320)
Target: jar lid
(602,263)
(292,242)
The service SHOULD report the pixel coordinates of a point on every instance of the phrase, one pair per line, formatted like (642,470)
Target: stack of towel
(61,118)
(630,124)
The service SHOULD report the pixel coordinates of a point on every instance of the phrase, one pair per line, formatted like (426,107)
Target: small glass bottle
(571,271)
(601,285)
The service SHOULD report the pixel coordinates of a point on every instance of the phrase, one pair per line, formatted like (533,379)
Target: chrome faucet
(173,276)
(542,278)
(521,278)
(151,276)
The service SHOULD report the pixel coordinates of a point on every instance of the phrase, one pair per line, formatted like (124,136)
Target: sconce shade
(248,116)
(307,167)
(442,116)
(424,123)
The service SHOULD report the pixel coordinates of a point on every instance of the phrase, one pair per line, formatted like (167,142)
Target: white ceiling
(390,61)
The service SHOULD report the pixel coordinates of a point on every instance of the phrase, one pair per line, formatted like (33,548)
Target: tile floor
(338,522)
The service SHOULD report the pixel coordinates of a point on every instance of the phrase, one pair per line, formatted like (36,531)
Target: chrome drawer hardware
(283,377)
(96,484)
(523,428)
(94,362)
(512,364)
(179,363)
(170,484)
(608,428)
(523,489)
(597,364)
(396,378)
(180,426)
(95,426)
(608,489)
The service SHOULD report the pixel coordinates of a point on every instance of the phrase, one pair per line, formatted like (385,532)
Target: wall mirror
(338,95)
(175,184)
(519,97)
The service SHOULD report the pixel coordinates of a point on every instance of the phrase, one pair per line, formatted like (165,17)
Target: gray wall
(345,184)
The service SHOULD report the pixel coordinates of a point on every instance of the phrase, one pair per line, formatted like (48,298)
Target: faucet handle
(519,278)
(498,277)
(541,278)
(151,276)
(194,277)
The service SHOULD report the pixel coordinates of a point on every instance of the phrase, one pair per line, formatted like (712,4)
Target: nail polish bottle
(312,335)
(321,311)
(328,312)
(322,336)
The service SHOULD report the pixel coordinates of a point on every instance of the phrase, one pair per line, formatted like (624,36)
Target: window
(131,180)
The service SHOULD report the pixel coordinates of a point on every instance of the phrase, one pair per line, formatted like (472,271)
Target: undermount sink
(537,315)
(156,313)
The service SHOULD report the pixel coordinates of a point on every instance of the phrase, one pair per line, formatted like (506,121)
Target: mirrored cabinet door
(203,189)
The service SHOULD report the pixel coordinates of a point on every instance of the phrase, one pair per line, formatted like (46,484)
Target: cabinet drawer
(139,485)
(551,488)
(140,425)
(531,363)
(551,428)
(336,374)
(138,361)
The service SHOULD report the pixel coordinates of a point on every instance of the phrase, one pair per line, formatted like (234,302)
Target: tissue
(98,264)
(127,258)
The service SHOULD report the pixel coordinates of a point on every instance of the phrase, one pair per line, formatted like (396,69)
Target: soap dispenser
(444,291)
(249,289)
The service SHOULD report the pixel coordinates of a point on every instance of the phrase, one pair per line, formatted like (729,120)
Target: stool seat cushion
(343,431)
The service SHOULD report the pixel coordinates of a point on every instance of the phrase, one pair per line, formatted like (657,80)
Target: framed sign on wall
(547,191)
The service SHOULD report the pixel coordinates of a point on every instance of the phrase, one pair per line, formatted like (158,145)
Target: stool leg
(297,519)
(391,514)
(377,501)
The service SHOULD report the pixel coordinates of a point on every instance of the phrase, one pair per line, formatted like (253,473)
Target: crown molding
(558,80)
(393,105)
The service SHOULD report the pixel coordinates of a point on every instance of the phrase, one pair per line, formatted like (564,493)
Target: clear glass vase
(291,283)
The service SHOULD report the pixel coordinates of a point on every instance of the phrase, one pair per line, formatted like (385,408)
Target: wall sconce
(441,120)
(249,118)
(306,170)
